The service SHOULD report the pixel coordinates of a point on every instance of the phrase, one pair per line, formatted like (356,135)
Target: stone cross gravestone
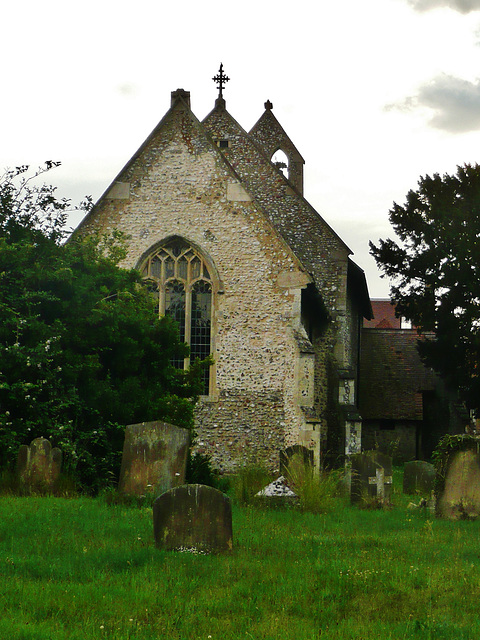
(39,466)
(418,477)
(154,458)
(460,497)
(295,458)
(193,517)
(371,477)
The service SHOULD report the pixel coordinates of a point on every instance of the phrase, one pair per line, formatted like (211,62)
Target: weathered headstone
(154,458)
(418,477)
(295,458)
(460,497)
(193,517)
(371,477)
(39,466)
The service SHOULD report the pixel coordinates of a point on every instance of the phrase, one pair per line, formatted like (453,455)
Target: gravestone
(39,466)
(154,458)
(418,477)
(293,459)
(460,497)
(371,477)
(193,517)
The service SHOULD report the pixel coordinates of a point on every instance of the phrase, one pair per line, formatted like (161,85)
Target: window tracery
(180,277)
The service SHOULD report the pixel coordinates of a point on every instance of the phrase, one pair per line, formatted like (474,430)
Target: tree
(435,269)
(82,350)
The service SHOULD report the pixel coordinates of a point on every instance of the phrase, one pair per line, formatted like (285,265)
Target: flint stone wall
(179,184)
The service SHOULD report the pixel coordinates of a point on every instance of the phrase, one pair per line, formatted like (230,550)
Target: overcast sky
(374,94)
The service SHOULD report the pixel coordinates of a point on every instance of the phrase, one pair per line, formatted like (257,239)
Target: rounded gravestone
(193,517)
(459,498)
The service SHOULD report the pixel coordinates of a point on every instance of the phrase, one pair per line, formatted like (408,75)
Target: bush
(82,348)
(200,470)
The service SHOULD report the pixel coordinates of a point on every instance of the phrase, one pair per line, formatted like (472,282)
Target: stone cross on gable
(220,79)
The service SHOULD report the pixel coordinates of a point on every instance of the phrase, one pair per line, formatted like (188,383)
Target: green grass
(80,569)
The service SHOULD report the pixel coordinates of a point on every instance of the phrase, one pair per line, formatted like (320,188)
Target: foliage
(200,470)
(82,350)
(435,268)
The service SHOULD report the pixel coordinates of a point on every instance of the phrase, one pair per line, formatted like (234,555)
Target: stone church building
(253,275)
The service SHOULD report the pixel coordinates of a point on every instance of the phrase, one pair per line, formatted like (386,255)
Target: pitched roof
(313,241)
(358,289)
(392,376)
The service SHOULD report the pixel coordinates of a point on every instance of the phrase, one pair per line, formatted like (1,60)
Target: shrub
(82,348)
(200,470)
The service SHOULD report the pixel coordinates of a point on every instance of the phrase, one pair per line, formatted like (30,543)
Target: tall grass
(318,491)
(249,480)
(76,569)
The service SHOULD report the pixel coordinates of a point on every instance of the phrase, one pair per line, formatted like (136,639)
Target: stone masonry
(212,185)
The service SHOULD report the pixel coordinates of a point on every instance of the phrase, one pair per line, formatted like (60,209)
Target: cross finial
(220,79)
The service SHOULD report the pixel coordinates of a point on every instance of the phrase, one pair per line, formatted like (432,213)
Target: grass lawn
(79,569)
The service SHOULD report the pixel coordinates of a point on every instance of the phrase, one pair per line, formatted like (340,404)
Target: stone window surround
(216,288)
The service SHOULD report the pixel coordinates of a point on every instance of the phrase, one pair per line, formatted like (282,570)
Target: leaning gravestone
(293,459)
(194,518)
(418,477)
(39,466)
(371,477)
(154,458)
(460,497)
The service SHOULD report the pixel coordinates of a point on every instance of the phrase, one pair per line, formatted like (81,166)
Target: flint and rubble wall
(178,186)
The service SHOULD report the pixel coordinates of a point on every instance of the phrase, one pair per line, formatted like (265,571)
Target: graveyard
(81,567)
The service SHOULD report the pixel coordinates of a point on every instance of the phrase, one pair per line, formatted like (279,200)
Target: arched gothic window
(179,275)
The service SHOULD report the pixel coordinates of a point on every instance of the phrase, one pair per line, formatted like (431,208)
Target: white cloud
(455,103)
(463,6)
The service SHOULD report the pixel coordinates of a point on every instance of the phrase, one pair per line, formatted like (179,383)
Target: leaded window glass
(185,291)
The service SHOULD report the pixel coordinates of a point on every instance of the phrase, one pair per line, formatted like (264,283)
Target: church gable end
(271,136)
(252,274)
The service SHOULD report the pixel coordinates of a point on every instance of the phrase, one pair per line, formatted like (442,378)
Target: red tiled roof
(383,316)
